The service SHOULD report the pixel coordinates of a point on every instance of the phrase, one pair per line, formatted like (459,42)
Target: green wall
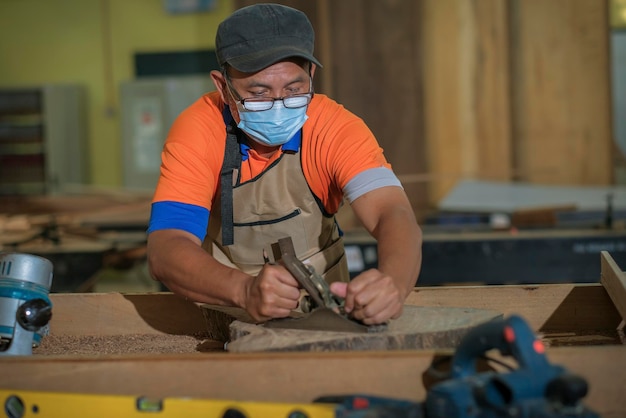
(92,42)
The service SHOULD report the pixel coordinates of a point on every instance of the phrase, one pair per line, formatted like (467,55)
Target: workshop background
(521,101)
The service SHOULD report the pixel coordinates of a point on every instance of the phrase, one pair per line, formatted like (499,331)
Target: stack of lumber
(81,234)
(61,219)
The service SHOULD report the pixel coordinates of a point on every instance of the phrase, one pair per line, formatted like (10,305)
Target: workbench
(486,257)
(580,323)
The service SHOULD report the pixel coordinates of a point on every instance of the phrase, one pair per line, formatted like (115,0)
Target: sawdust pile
(95,345)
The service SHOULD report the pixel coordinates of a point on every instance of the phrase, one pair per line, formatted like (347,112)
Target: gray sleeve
(369,180)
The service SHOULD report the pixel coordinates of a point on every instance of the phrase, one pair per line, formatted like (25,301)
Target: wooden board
(116,314)
(554,307)
(288,377)
(418,328)
(614,281)
(576,308)
(560,92)
(389,34)
(467,101)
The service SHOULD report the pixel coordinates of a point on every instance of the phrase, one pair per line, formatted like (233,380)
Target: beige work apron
(276,204)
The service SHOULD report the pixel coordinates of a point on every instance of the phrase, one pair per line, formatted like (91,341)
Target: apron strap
(230,164)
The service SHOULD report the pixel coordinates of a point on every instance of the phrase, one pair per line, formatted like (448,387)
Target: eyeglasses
(259,104)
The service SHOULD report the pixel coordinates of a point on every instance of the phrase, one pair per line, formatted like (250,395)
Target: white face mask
(274,126)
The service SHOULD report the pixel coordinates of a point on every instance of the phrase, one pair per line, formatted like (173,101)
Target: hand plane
(323,311)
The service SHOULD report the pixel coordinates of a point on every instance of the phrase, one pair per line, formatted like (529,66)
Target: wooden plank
(614,281)
(485,143)
(442,87)
(73,206)
(565,307)
(466,92)
(374,41)
(324,42)
(124,314)
(561,91)
(562,307)
(286,377)
(10,239)
(419,327)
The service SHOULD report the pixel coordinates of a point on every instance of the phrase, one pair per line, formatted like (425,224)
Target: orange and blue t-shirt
(339,156)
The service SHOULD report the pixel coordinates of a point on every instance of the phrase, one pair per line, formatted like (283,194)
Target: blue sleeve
(175,215)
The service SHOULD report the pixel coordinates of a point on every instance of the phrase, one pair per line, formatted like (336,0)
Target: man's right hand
(177,259)
(273,293)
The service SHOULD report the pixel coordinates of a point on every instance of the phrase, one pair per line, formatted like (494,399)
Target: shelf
(19,133)
(20,101)
(42,139)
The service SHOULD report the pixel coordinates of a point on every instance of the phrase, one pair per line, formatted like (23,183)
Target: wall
(92,42)
(453,89)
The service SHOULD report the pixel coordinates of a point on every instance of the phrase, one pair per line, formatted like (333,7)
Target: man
(263,158)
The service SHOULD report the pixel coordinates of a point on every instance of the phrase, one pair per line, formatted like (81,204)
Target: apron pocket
(331,263)
(251,237)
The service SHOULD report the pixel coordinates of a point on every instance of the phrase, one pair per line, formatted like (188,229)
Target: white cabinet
(148,109)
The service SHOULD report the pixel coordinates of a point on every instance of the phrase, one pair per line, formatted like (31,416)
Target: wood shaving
(124,344)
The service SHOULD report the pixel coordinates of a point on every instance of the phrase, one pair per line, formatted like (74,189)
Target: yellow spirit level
(34,404)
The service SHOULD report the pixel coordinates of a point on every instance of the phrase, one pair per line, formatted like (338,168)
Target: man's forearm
(399,239)
(179,262)
(388,216)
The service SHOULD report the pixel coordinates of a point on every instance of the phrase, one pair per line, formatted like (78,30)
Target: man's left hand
(372,297)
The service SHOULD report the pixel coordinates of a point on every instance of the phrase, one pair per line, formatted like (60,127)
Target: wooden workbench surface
(554,311)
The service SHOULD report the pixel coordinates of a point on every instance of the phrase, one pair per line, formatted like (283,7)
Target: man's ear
(313,67)
(220,84)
